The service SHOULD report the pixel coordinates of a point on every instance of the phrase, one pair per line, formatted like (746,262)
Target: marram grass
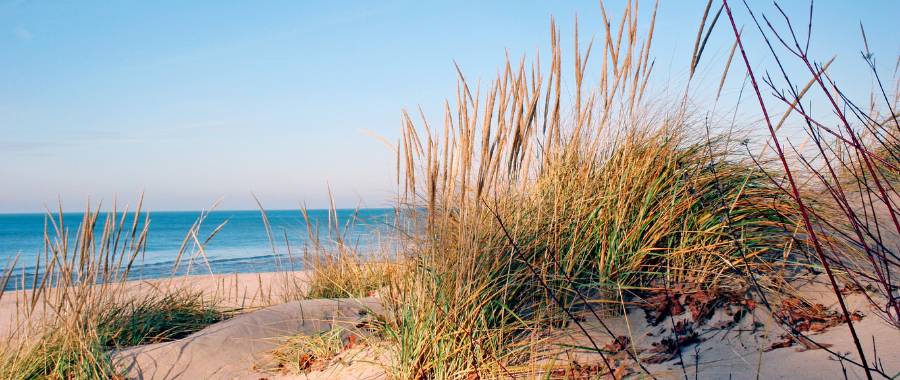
(80,307)
(601,194)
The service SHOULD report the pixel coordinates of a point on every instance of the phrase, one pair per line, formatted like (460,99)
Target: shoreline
(268,263)
(232,290)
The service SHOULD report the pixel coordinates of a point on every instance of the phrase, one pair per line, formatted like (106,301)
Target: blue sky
(193,101)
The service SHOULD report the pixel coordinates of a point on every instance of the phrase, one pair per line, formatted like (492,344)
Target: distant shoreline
(254,264)
(81,212)
(233,241)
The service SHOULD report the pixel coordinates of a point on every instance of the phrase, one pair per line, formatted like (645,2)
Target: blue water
(242,244)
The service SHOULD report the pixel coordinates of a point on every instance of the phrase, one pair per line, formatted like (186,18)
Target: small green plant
(157,318)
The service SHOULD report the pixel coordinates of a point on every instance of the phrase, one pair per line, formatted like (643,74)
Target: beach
(240,347)
(653,191)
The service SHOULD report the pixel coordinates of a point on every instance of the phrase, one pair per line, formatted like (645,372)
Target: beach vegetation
(80,305)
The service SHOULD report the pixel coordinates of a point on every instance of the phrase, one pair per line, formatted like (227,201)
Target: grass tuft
(600,196)
(300,353)
(157,318)
(80,306)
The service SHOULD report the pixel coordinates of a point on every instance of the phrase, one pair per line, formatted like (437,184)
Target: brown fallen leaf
(817,326)
(816,317)
(668,348)
(305,361)
(621,343)
(657,358)
(621,372)
(787,341)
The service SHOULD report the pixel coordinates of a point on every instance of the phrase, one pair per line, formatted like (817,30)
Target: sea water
(241,245)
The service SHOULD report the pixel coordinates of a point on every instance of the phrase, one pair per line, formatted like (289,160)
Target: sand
(244,291)
(234,348)
(743,351)
(238,347)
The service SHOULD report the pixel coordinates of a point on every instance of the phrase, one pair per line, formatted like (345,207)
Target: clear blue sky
(192,101)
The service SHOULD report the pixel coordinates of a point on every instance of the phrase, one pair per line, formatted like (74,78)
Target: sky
(191,102)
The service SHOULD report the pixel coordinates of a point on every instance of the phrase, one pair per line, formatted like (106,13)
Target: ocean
(242,244)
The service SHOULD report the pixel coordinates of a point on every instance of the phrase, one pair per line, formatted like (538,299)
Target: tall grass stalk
(79,305)
(334,264)
(599,193)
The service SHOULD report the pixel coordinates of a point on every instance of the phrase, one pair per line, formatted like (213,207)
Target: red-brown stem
(856,143)
(797,198)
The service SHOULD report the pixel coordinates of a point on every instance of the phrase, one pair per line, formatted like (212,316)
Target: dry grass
(598,195)
(79,306)
(334,265)
(300,353)
(337,268)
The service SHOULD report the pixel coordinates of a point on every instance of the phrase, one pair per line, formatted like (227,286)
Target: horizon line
(7,213)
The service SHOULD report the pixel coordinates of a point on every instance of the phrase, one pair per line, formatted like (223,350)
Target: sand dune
(238,347)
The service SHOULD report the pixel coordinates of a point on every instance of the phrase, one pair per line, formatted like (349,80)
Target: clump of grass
(334,264)
(56,356)
(157,318)
(338,269)
(439,328)
(75,279)
(526,204)
(80,307)
(345,277)
(300,353)
(653,212)
(83,353)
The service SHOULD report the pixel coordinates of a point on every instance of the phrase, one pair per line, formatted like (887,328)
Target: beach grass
(337,268)
(531,207)
(80,349)
(80,305)
(157,317)
(333,264)
(298,353)
(525,210)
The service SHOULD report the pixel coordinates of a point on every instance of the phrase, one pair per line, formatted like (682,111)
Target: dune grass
(333,264)
(529,205)
(299,353)
(80,349)
(346,276)
(337,269)
(532,202)
(157,318)
(80,307)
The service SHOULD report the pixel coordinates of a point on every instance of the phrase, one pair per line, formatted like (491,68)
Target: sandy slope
(230,349)
(234,348)
(743,351)
(244,290)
